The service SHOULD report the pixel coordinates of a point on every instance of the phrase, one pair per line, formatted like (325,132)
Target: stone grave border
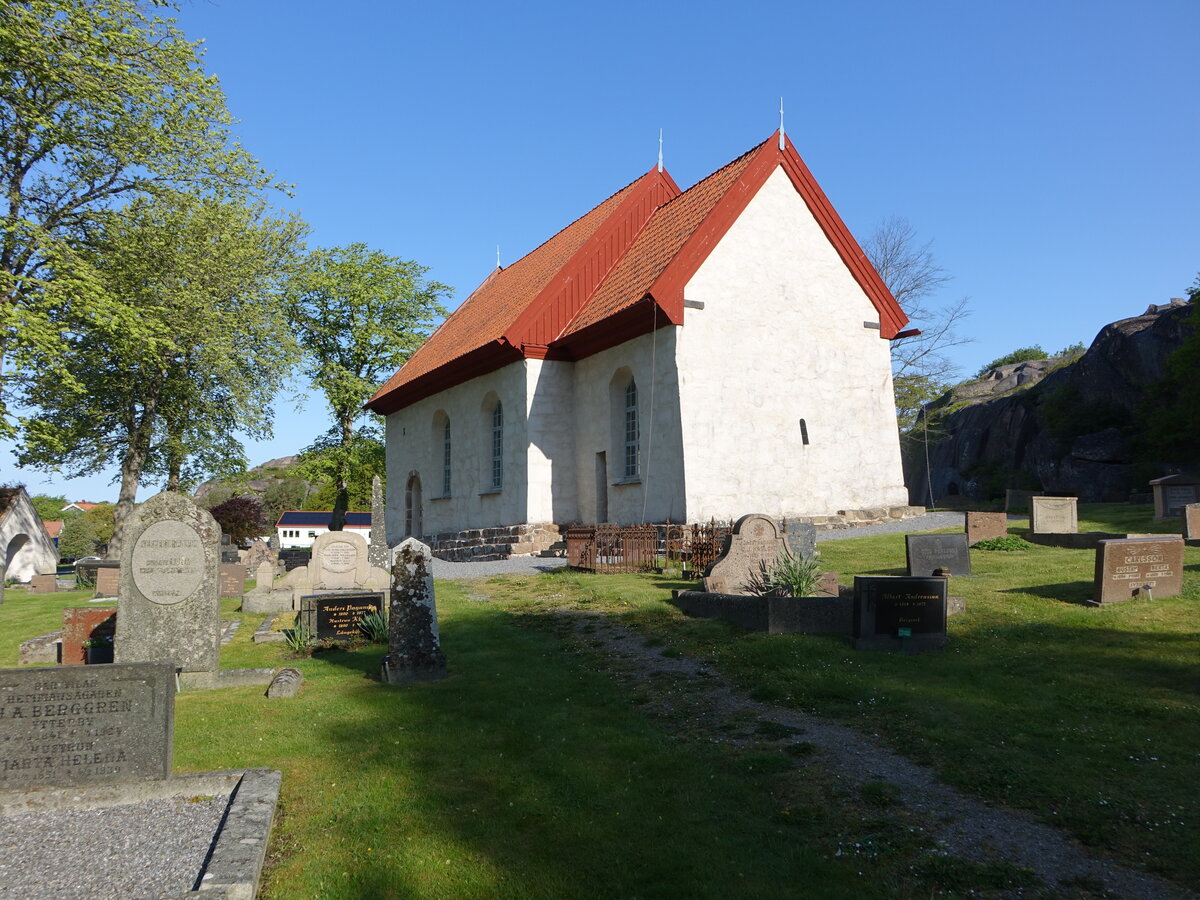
(239,847)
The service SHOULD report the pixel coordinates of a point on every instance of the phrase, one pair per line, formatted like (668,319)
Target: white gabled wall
(550,392)
(780,339)
(413,446)
(25,547)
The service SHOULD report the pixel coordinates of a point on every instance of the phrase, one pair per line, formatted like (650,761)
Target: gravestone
(264,577)
(1126,568)
(229,551)
(983,526)
(168,607)
(377,552)
(260,551)
(414,650)
(233,580)
(1172,493)
(927,552)
(801,539)
(336,617)
(756,540)
(339,561)
(1191,522)
(81,624)
(73,726)
(108,578)
(1017,499)
(899,613)
(1054,515)
(44,584)
(286,683)
(294,557)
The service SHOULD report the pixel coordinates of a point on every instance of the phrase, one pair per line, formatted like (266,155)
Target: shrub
(374,625)
(1009,543)
(300,640)
(1024,354)
(788,576)
(241,518)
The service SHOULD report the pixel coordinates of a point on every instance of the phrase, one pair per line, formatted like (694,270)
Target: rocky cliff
(1062,425)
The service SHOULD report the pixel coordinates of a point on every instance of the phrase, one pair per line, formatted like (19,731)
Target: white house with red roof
(670,355)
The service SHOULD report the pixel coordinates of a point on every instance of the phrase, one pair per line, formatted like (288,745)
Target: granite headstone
(337,616)
(64,727)
(168,607)
(233,580)
(756,540)
(1191,522)
(899,613)
(927,553)
(1128,568)
(983,526)
(377,551)
(1054,515)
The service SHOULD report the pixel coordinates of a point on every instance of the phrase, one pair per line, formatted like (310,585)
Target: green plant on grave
(788,576)
(300,640)
(99,640)
(1008,543)
(374,625)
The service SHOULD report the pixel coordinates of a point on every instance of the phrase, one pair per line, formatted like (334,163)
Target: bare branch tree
(920,368)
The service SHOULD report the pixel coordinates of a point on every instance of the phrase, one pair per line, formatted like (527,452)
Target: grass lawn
(531,773)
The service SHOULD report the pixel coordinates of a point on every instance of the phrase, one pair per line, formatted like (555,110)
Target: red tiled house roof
(616,272)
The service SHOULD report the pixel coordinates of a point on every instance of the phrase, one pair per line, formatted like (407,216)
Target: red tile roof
(583,290)
(53,529)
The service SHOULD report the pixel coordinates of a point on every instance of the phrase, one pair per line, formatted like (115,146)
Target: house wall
(308,534)
(27,549)
(780,339)
(414,447)
(657,493)
(551,458)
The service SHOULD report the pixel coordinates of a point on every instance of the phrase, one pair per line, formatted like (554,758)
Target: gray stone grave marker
(927,552)
(233,580)
(1191,522)
(1125,568)
(1054,515)
(167,607)
(377,550)
(414,649)
(983,526)
(69,726)
(899,613)
(339,561)
(756,540)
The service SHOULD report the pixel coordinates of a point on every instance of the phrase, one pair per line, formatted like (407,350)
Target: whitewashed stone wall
(27,549)
(780,339)
(413,446)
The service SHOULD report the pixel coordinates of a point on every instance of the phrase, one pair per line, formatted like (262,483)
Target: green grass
(529,772)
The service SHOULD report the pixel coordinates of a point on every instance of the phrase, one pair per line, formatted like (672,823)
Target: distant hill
(1064,425)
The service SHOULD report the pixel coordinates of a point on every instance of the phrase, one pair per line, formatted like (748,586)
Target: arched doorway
(15,546)
(412,507)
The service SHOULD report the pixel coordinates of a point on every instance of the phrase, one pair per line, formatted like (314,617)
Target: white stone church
(670,355)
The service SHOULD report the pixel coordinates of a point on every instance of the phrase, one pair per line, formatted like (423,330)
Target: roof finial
(498,266)
(660,165)
(780,123)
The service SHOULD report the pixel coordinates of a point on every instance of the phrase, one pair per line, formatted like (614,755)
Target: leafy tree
(211,347)
(101,101)
(241,518)
(47,507)
(343,470)
(289,492)
(358,315)
(1022,354)
(920,368)
(88,533)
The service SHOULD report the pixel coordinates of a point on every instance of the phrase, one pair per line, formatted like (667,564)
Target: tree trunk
(131,470)
(341,503)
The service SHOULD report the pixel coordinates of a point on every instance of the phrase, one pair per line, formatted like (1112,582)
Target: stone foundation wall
(483,544)
(853,518)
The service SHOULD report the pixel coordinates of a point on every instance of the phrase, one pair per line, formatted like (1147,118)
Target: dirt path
(964,827)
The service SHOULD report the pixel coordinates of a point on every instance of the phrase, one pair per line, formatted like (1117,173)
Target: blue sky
(1048,149)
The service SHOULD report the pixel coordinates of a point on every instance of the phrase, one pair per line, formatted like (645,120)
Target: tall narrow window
(446,459)
(497,446)
(632,432)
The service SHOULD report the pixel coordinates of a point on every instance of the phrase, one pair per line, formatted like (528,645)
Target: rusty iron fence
(614,549)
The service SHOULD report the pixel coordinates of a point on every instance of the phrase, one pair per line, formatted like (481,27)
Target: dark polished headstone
(899,613)
(928,552)
(337,617)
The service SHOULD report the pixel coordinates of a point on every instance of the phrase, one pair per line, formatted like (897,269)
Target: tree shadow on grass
(1078,592)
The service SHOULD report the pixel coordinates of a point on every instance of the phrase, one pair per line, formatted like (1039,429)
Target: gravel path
(961,825)
(153,848)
